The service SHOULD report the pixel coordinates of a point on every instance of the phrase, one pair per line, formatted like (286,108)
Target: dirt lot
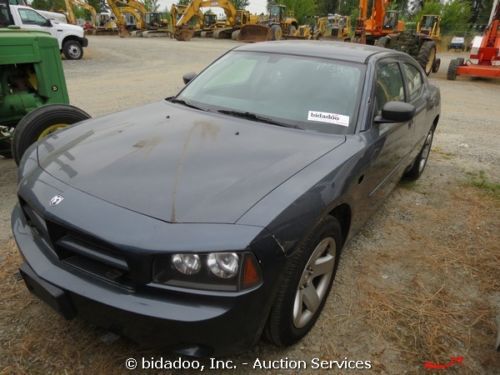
(420,283)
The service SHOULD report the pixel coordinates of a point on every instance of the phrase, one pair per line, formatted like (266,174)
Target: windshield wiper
(255,117)
(183,102)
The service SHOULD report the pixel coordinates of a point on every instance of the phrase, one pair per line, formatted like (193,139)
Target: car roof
(352,52)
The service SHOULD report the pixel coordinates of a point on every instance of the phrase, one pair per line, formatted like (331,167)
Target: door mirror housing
(396,112)
(188,77)
(48,23)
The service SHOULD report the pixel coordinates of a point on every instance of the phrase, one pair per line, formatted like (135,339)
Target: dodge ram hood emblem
(56,199)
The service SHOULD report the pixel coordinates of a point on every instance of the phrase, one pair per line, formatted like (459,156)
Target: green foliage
(455,16)
(152,5)
(240,4)
(183,2)
(481,181)
(430,7)
(301,9)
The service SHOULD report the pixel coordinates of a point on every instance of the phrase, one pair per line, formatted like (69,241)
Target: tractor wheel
(452,69)
(383,42)
(427,55)
(435,67)
(72,50)
(292,30)
(276,32)
(42,122)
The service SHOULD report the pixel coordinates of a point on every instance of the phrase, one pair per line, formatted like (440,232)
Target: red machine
(484,60)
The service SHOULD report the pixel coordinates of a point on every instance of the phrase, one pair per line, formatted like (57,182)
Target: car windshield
(309,93)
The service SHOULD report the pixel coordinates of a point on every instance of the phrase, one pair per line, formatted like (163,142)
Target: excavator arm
(193,9)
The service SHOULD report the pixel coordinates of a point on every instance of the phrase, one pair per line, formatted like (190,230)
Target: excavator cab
(391,20)
(209,20)
(277,13)
(429,25)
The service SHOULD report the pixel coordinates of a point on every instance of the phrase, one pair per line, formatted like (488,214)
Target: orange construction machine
(484,60)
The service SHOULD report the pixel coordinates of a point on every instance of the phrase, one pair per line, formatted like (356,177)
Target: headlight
(223,265)
(188,264)
(222,271)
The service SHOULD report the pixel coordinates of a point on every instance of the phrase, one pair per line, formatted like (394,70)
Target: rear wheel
(42,122)
(308,278)
(427,56)
(72,50)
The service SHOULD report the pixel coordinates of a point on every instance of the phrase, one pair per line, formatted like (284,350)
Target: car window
(30,17)
(414,79)
(389,85)
(310,93)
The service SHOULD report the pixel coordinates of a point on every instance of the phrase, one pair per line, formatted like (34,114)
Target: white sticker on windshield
(331,118)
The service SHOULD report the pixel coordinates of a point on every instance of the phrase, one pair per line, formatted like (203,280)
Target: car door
(389,143)
(418,96)
(32,20)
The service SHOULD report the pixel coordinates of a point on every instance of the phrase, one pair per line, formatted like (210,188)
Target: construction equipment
(484,60)
(277,26)
(132,7)
(70,14)
(384,29)
(429,25)
(184,32)
(33,96)
(382,22)
(334,27)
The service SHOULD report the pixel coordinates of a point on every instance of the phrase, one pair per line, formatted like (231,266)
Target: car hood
(178,164)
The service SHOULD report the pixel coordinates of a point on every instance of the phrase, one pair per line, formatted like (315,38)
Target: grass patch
(481,181)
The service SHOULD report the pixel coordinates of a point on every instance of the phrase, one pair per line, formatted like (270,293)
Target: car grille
(80,250)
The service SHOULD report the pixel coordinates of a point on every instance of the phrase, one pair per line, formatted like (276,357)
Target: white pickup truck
(70,37)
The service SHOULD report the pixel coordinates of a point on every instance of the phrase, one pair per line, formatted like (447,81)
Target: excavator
(333,27)
(429,25)
(277,26)
(235,19)
(384,29)
(119,8)
(70,14)
(484,60)
(188,28)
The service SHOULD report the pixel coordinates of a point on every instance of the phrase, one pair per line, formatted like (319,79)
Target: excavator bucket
(254,33)
(184,34)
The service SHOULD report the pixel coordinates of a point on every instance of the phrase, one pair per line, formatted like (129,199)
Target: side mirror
(188,77)
(396,112)
(48,23)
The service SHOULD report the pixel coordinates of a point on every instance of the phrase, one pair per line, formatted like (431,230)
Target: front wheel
(41,123)
(420,162)
(307,280)
(72,50)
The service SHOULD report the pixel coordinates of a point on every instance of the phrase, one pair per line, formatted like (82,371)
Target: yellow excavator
(188,27)
(235,19)
(334,27)
(278,25)
(119,8)
(70,14)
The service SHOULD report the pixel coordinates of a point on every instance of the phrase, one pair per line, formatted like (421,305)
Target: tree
(455,16)
(183,2)
(301,9)
(240,4)
(325,7)
(152,5)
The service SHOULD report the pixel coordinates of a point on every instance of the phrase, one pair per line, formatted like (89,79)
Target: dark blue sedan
(206,220)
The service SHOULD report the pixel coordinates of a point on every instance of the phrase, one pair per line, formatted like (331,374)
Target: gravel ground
(419,283)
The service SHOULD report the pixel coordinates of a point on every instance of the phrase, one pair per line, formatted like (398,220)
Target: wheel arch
(343,214)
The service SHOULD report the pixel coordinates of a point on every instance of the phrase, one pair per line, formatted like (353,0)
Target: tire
(276,32)
(41,122)
(292,30)
(435,67)
(451,75)
(72,50)
(420,162)
(287,324)
(382,42)
(427,55)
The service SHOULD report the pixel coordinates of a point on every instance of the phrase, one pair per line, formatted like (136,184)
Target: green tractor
(34,99)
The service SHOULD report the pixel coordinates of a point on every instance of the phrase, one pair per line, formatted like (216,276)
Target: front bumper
(191,324)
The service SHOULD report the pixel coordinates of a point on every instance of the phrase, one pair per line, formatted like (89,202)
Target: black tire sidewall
(31,126)
(280,328)
(67,45)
